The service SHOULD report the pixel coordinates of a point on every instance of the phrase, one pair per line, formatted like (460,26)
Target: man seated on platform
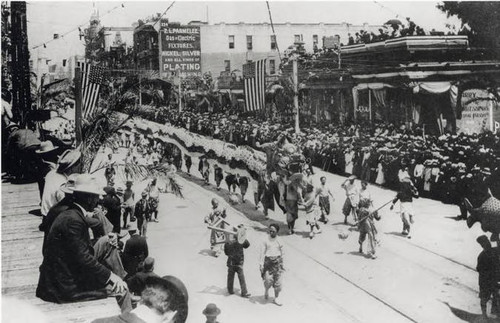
(70,272)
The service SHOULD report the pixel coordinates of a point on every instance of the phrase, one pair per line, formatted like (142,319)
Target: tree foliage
(483,19)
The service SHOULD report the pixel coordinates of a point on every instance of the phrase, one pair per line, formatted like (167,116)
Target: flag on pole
(254,85)
(92,77)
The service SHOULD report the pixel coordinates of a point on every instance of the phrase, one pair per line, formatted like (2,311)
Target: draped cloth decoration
(380,96)
(431,87)
(371,86)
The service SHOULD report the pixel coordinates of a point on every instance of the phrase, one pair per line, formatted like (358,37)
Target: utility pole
(296,94)
(180,92)
(21,92)
(78,106)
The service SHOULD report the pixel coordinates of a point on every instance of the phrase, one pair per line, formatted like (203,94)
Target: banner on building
(180,51)
(479,112)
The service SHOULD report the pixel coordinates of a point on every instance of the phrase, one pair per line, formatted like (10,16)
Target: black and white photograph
(250,161)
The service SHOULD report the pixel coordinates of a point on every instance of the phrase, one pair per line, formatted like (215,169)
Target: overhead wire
(272,27)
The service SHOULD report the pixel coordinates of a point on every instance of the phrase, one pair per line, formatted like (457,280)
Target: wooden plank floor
(22,256)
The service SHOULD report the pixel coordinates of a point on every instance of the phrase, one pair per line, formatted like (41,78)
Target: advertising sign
(477,112)
(180,51)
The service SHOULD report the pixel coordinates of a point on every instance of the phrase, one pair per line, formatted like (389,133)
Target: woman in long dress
(349,154)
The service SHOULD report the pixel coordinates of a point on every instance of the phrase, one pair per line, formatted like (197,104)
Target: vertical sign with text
(477,112)
(180,51)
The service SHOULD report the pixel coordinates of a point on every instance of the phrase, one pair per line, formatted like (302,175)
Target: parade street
(430,278)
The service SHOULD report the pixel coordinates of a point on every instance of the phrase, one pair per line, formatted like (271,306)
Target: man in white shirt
(271,263)
(352,196)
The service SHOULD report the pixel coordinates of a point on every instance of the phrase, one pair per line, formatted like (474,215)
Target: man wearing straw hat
(69,271)
(47,157)
(405,195)
(211,312)
(66,165)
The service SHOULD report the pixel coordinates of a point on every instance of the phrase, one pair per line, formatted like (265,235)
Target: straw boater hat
(70,184)
(68,159)
(46,147)
(177,287)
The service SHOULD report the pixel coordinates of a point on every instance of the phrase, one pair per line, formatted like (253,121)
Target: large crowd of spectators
(440,166)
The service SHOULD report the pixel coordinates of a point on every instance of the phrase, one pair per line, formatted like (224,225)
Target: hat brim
(217,312)
(67,190)
(170,283)
(94,191)
(39,151)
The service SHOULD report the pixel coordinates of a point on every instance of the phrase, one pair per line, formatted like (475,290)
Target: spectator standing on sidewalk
(488,268)
(235,259)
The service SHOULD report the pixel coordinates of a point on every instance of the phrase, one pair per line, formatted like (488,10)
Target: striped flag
(254,85)
(92,77)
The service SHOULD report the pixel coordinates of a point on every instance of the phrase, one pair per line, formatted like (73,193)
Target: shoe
(409,236)
(311,235)
(247,295)
(290,232)
(360,250)
(266,295)
(404,233)
(345,221)
(373,256)
(278,302)
(230,292)
(156,220)
(319,231)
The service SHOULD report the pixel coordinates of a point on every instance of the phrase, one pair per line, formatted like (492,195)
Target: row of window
(297,38)
(272,66)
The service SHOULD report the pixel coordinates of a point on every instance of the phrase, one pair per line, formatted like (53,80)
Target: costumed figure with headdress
(216,219)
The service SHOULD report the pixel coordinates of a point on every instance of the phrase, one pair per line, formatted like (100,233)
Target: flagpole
(296,94)
(78,106)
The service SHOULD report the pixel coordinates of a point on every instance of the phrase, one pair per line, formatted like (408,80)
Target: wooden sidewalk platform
(22,256)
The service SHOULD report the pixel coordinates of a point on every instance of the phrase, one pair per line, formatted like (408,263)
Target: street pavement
(429,278)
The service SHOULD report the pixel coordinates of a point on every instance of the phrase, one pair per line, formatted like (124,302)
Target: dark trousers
(231,270)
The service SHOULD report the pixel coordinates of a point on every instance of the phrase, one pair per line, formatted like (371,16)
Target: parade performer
(128,203)
(231,182)
(311,209)
(488,268)
(292,200)
(271,263)
(235,259)
(243,181)
(405,195)
(188,162)
(367,227)
(143,214)
(218,176)
(154,199)
(324,194)
(214,217)
(352,196)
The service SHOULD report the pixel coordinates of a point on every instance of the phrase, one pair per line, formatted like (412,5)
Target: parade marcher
(292,200)
(214,217)
(188,162)
(488,268)
(231,182)
(154,199)
(324,194)
(143,214)
(218,176)
(163,299)
(266,195)
(137,282)
(311,209)
(366,227)
(235,260)
(128,203)
(243,183)
(211,312)
(69,271)
(271,263)
(405,195)
(171,169)
(135,251)
(352,196)
(206,171)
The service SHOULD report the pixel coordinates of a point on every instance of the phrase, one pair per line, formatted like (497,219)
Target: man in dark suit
(69,271)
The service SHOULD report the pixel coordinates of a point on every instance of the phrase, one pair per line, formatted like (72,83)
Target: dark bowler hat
(211,310)
(176,286)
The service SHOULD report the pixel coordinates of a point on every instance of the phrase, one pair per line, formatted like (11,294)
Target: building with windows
(225,47)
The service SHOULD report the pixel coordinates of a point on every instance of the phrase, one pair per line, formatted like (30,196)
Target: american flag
(254,81)
(92,77)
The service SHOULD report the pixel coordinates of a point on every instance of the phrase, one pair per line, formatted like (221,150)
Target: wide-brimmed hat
(211,310)
(70,184)
(85,183)
(352,177)
(68,159)
(119,191)
(46,147)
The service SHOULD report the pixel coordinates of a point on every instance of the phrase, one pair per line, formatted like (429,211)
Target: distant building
(225,47)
